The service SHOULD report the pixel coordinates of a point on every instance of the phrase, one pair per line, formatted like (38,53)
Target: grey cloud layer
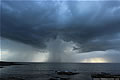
(92,25)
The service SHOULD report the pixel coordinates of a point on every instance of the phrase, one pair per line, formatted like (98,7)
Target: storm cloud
(91,25)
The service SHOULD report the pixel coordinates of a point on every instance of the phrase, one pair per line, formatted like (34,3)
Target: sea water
(44,71)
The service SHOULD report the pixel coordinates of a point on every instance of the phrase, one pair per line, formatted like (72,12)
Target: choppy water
(43,71)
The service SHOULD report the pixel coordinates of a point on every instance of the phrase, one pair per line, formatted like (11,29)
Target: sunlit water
(44,71)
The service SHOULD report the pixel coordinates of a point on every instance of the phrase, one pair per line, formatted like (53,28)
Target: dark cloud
(86,23)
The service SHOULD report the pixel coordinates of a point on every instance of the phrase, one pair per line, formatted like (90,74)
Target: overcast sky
(60,30)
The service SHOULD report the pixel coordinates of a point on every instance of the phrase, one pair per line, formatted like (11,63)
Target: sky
(60,31)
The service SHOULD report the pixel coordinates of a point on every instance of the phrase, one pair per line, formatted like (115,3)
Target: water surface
(44,71)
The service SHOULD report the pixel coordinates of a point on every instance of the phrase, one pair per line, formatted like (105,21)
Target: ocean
(44,71)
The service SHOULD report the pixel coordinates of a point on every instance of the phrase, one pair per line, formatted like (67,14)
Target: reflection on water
(43,71)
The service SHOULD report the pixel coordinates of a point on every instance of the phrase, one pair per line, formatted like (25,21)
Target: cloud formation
(91,25)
